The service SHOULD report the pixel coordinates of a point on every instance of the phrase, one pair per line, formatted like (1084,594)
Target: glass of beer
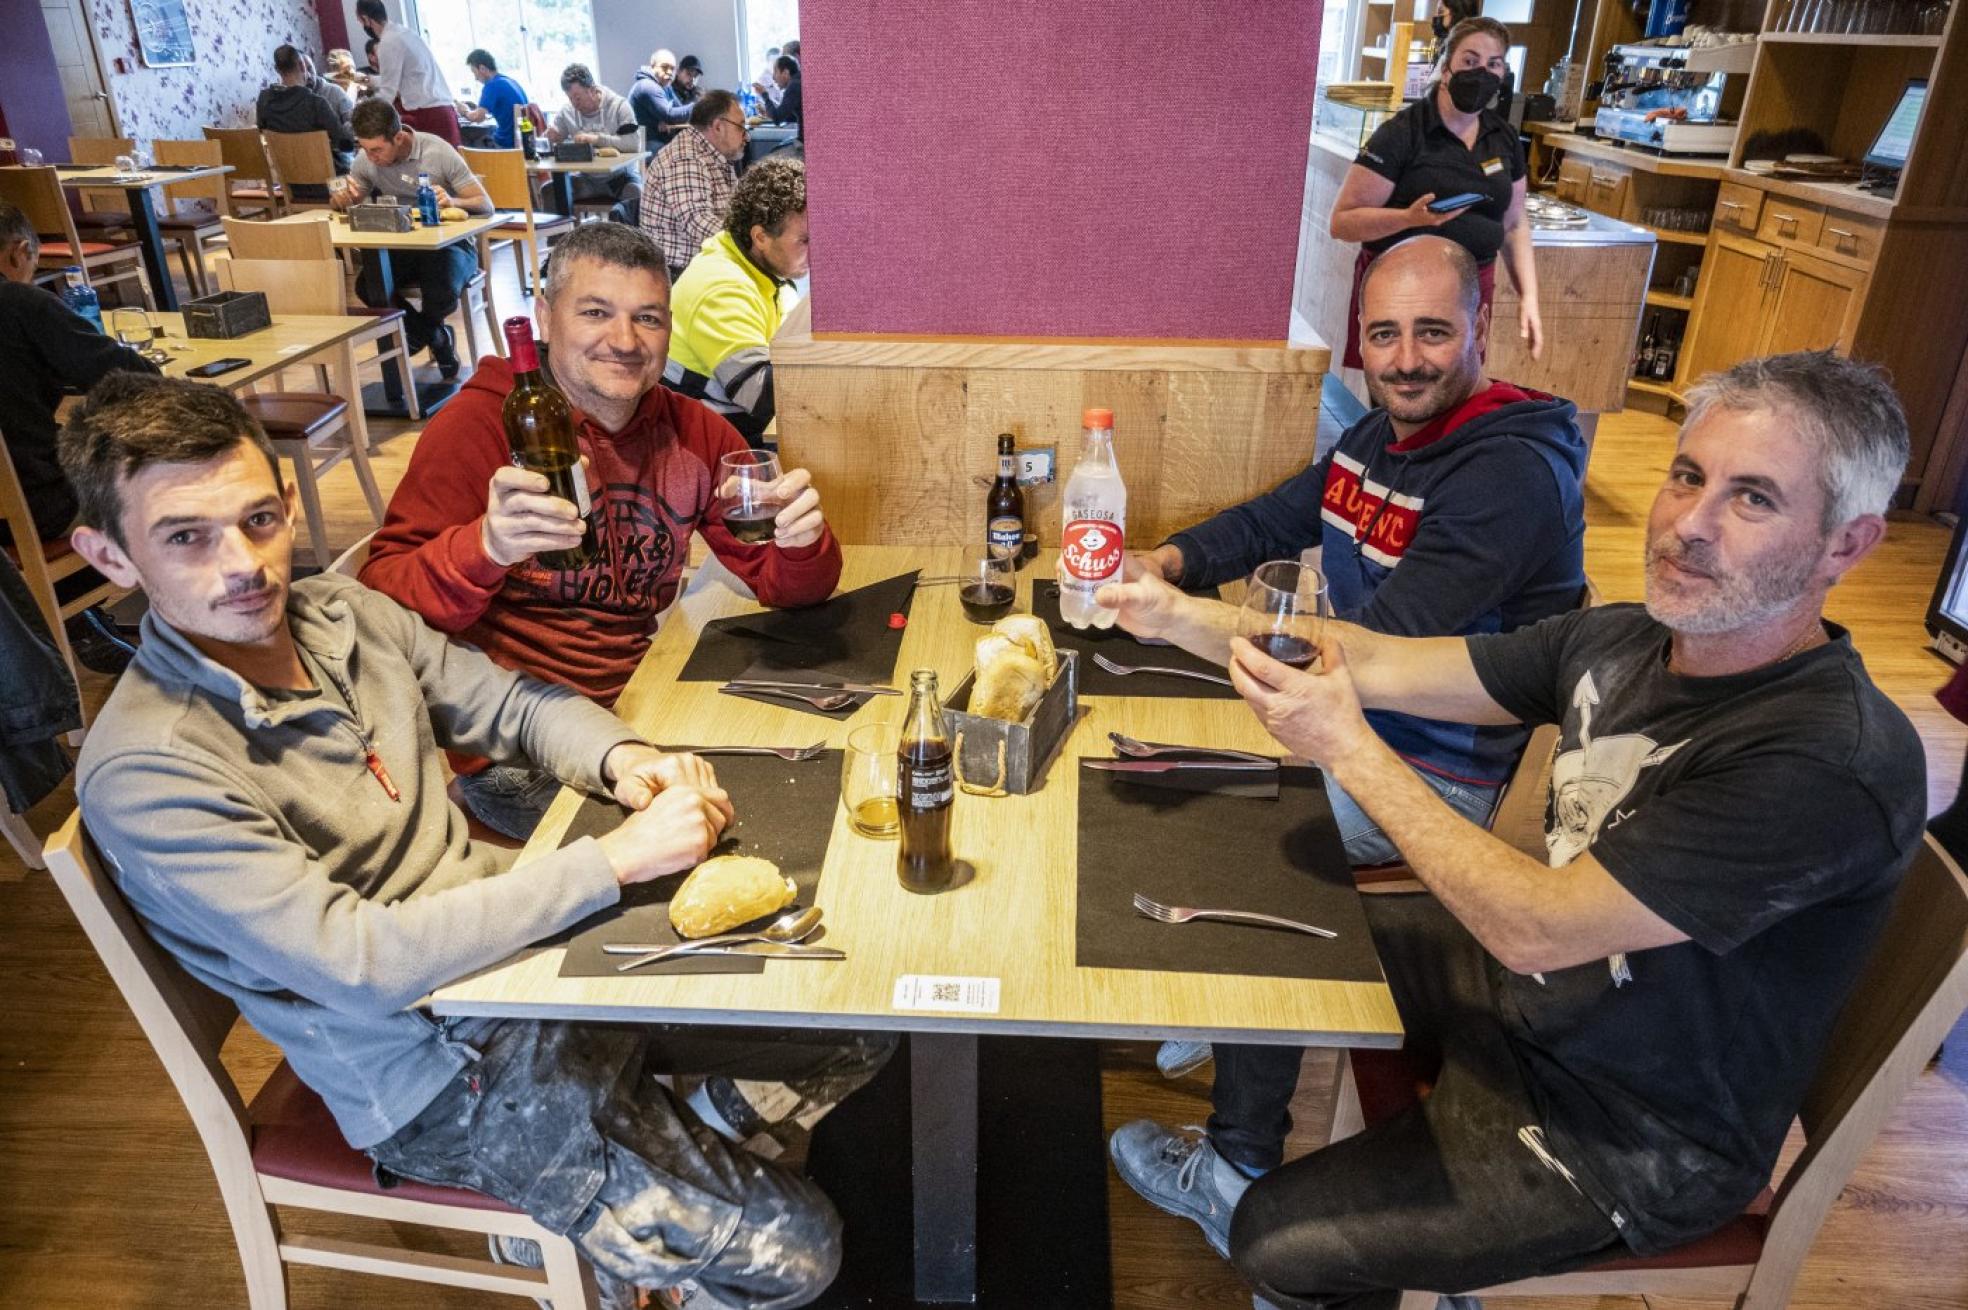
(868,779)
(1284,612)
(748,498)
(987,585)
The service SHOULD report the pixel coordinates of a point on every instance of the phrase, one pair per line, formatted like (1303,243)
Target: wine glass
(1284,612)
(748,496)
(868,787)
(132,328)
(986,586)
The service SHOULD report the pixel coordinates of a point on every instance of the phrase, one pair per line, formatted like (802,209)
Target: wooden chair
(301,159)
(252,184)
(43,563)
(1911,992)
(504,176)
(104,209)
(37,193)
(314,291)
(284,1149)
(193,212)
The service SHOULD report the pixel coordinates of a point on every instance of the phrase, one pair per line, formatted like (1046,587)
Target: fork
(1124,670)
(793,753)
(833,701)
(1182,914)
(1148,750)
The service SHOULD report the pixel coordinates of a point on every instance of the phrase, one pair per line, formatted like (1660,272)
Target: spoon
(792,926)
(1147,750)
(830,701)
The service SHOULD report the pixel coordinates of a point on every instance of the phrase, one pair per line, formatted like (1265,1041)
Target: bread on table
(1030,631)
(452,214)
(1010,680)
(728,890)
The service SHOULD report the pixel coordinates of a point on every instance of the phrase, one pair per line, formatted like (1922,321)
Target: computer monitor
(1889,149)
(1947,613)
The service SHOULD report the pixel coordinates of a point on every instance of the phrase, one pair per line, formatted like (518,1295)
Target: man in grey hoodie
(265,786)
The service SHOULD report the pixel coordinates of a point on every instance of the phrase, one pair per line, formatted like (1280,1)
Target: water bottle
(426,200)
(81,297)
(1095,530)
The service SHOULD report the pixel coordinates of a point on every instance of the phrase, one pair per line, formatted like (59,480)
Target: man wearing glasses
(688,185)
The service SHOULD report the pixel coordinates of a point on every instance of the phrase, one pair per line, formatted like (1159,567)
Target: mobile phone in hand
(1463,201)
(217,367)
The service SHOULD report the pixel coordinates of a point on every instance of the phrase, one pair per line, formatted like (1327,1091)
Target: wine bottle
(540,428)
(1643,364)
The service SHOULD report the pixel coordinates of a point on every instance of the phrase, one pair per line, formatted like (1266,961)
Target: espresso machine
(1680,99)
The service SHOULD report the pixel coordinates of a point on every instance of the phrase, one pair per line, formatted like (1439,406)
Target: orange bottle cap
(1097,418)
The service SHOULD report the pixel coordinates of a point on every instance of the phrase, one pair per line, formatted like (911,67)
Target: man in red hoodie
(459,545)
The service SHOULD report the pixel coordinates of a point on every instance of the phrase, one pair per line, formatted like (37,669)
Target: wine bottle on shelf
(1664,356)
(1643,363)
(540,428)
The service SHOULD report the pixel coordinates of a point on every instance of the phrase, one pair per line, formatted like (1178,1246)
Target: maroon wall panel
(1079,168)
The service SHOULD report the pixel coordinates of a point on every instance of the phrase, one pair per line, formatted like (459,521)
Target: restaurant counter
(1592,284)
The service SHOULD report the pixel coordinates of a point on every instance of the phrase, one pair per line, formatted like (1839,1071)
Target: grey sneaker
(1181,1175)
(523,1252)
(1177,1058)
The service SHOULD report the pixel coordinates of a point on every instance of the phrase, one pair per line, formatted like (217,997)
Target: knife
(1170,766)
(858,688)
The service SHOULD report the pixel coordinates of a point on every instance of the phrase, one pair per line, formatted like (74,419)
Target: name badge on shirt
(1491,167)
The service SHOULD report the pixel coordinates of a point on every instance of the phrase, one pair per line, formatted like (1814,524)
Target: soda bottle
(925,789)
(540,429)
(1095,531)
(526,144)
(427,202)
(81,297)
(1004,508)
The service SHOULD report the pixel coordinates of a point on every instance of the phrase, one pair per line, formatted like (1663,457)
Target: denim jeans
(440,277)
(509,798)
(572,1124)
(1364,841)
(1444,1196)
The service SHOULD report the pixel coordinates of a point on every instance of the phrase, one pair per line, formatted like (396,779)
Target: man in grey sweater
(265,786)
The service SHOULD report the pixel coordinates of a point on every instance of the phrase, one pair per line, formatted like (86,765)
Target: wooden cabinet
(1606,190)
(1788,220)
(1728,319)
(1738,208)
(1762,299)
(1574,179)
(1814,305)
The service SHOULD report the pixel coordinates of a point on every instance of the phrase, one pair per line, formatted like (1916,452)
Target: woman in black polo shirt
(1448,143)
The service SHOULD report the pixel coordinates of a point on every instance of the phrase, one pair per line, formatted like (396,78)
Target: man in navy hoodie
(1452,509)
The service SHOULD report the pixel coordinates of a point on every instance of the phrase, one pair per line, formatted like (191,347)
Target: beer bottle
(540,428)
(925,789)
(1004,508)
(526,144)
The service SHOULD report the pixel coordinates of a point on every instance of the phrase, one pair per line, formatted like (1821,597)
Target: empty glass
(868,779)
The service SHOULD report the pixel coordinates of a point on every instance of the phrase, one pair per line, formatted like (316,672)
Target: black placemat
(846,639)
(1257,784)
(799,706)
(1224,852)
(1118,646)
(785,812)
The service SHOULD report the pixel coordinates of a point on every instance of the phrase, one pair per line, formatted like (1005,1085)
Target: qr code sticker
(963,995)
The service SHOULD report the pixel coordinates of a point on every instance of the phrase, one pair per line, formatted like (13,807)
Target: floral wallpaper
(235,40)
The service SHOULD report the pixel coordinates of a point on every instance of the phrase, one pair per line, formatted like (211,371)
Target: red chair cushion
(294,1137)
(287,415)
(541,223)
(62,250)
(52,549)
(1391,1081)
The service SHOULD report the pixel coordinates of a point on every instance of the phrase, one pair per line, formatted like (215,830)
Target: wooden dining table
(136,188)
(1012,924)
(560,175)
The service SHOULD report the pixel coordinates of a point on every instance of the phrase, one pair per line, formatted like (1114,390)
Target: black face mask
(1473,88)
(1439,28)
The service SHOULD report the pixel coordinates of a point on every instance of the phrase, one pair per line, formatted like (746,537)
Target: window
(533,40)
(765,25)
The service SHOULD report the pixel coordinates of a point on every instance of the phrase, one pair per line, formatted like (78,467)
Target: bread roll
(1029,631)
(452,214)
(607,152)
(1009,680)
(728,890)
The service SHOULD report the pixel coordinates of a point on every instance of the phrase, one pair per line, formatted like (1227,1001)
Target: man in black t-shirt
(1627,1029)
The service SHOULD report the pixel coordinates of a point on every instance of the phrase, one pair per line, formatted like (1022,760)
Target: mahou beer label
(1091,548)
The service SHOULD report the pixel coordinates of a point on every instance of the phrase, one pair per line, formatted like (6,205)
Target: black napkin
(1118,646)
(846,639)
(785,814)
(1224,853)
(1257,784)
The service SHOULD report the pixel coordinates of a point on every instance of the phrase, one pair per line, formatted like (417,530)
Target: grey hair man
(1731,807)
(326,895)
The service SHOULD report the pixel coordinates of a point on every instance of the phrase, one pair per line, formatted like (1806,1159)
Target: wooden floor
(106,1200)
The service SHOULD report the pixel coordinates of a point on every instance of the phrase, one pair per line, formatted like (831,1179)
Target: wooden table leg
(943,1123)
(347,378)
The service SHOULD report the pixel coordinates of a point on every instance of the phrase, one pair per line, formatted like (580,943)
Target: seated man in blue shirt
(499,97)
